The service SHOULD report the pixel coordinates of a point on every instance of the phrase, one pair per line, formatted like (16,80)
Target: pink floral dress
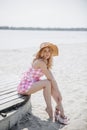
(29,77)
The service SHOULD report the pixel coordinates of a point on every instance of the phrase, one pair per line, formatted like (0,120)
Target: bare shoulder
(39,63)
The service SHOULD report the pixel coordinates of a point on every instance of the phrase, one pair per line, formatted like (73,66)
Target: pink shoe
(64,121)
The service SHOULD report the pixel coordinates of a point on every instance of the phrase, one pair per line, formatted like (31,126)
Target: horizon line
(42,28)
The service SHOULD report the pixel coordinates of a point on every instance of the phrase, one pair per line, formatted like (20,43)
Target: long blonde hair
(49,61)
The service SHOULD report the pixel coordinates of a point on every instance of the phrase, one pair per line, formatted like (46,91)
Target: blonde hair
(49,61)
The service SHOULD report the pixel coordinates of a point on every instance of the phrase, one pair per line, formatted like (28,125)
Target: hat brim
(53,47)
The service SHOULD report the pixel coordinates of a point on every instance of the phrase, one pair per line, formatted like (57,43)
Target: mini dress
(29,77)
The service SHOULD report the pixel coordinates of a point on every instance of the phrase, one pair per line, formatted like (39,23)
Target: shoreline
(44,29)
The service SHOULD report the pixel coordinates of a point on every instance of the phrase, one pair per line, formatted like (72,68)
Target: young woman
(32,83)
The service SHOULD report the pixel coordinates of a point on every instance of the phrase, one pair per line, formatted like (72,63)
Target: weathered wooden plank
(9,78)
(8,87)
(14,97)
(8,91)
(8,95)
(11,104)
(8,82)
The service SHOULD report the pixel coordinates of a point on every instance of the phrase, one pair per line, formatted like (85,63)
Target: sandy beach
(70,71)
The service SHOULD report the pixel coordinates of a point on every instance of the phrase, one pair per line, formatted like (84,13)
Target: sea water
(16,39)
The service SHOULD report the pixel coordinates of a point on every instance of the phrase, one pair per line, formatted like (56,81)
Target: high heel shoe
(63,120)
(56,113)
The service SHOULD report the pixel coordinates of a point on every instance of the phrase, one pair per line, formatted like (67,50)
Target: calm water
(23,39)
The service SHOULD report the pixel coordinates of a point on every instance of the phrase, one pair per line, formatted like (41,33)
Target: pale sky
(43,13)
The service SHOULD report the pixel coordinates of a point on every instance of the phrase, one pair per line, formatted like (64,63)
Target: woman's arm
(46,71)
(55,85)
(41,64)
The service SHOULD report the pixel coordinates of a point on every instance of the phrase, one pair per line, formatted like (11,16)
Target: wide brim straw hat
(55,51)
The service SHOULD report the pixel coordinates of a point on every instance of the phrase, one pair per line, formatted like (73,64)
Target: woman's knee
(48,84)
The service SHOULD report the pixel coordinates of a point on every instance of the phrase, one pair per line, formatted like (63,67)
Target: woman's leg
(59,107)
(47,97)
(46,86)
(57,95)
(59,111)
